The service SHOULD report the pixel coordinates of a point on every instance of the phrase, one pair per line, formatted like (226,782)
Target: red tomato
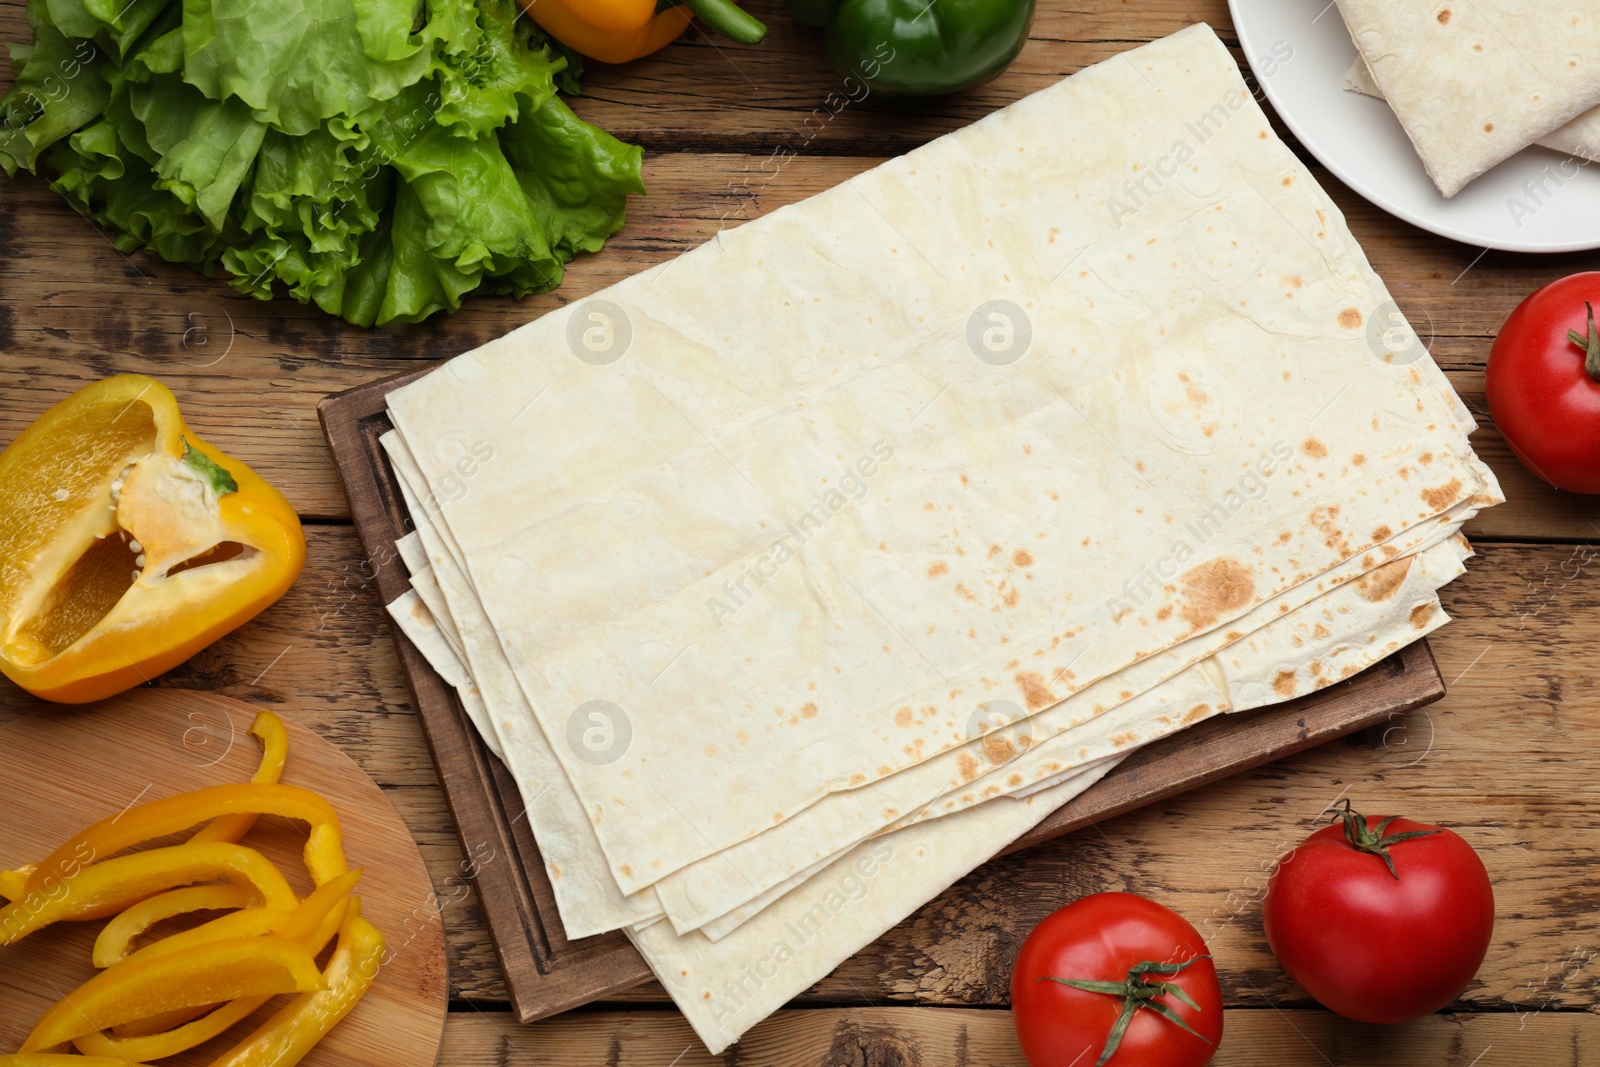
(1102,940)
(1544,387)
(1376,946)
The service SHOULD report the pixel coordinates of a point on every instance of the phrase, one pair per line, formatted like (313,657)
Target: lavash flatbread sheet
(725,985)
(412,552)
(1319,641)
(627,620)
(1082,778)
(1344,632)
(726,882)
(415,556)
(1477,81)
(1083,727)
(422,628)
(1579,138)
(587,898)
(735,877)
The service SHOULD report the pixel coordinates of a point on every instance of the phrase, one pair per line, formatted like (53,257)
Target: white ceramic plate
(1301,51)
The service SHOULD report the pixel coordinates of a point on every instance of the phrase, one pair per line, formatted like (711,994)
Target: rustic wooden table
(1508,758)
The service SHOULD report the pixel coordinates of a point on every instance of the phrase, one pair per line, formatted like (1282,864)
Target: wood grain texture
(70,768)
(912,1037)
(1506,757)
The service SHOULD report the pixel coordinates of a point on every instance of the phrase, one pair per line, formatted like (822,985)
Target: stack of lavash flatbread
(794,578)
(1474,82)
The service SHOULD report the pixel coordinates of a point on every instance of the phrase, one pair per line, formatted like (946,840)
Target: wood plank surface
(1507,757)
(912,1037)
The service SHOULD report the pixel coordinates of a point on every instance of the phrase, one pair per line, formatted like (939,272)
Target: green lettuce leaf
(383,159)
(300,62)
(576,176)
(206,148)
(59,89)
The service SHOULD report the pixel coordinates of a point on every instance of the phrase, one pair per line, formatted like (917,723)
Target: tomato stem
(1376,840)
(1590,344)
(1136,992)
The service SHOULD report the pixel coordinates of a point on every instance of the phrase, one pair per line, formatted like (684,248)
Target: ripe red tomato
(1376,939)
(1149,971)
(1544,383)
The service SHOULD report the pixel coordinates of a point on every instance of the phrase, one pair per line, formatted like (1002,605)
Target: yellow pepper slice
(127,543)
(324,851)
(109,887)
(206,974)
(284,1039)
(309,924)
(14,883)
(115,942)
(268,729)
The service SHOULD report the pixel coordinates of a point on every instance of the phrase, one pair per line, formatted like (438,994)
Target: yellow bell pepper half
(127,543)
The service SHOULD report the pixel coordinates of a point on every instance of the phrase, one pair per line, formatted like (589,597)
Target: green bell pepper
(918,47)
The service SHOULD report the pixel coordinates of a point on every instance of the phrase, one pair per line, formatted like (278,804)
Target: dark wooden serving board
(546,973)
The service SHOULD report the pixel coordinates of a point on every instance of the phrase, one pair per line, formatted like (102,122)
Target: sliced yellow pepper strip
(284,1039)
(116,940)
(15,883)
(308,924)
(206,974)
(109,887)
(268,729)
(127,543)
(324,852)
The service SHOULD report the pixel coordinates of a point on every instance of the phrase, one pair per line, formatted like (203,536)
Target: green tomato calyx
(1375,840)
(1138,992)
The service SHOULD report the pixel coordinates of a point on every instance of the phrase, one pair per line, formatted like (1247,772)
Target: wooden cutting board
(63,768)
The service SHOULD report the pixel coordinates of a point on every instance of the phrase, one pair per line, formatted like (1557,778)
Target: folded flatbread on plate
(1579,138)
(1474,82)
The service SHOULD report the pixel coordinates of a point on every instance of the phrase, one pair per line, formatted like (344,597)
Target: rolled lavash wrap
(1474,82)
(1205,439)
